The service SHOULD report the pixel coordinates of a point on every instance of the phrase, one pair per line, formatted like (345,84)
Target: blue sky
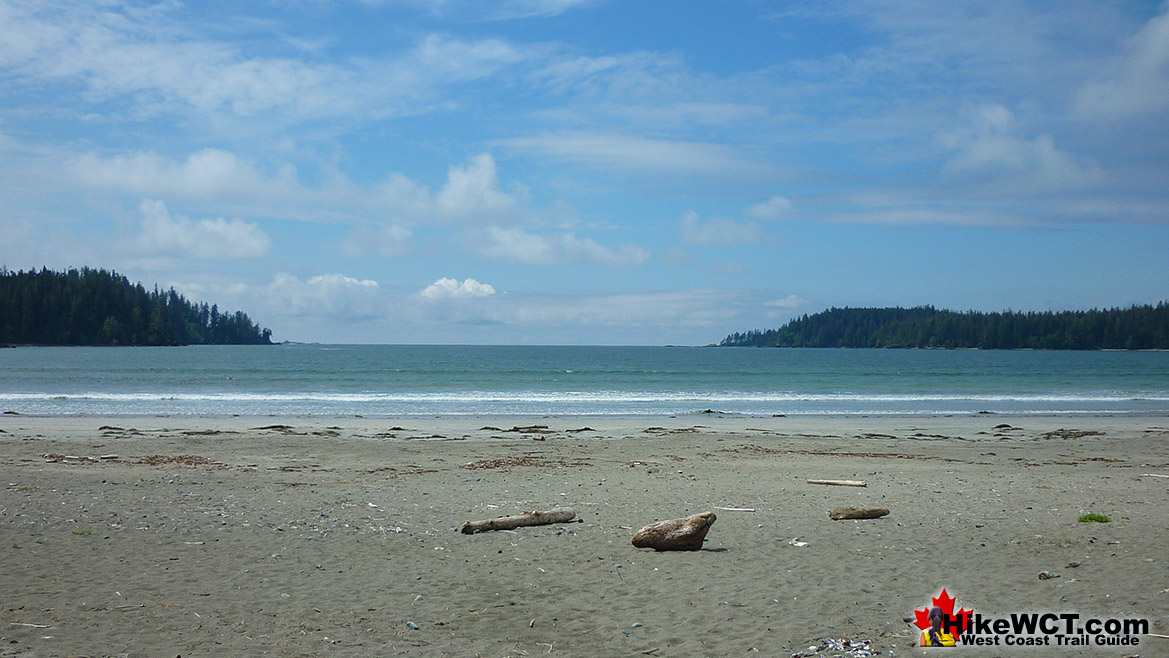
(576,171)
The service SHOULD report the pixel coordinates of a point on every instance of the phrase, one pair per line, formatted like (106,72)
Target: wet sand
(339,537)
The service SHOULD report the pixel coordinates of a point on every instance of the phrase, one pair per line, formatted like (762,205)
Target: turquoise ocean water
(400,380)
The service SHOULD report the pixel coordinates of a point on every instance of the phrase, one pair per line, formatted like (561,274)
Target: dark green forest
(95,307)
(1136,328)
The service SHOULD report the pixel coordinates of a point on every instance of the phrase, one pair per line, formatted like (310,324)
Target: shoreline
(332,536)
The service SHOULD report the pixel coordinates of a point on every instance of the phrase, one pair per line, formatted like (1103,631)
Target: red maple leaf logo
(946,603)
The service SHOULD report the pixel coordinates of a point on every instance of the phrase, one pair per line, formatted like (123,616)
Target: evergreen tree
(1138,327)
(95,307)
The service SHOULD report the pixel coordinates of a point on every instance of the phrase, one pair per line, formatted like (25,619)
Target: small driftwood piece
(857,513)
(841,483)
(676,534)
(535,517)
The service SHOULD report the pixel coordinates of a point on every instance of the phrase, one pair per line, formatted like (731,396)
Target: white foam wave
(582,397)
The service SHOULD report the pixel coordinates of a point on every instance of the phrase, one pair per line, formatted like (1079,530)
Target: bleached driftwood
(676,534)
(857,513)
(841,483)
(535,517)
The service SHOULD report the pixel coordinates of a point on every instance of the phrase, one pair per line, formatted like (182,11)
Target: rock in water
(676,534)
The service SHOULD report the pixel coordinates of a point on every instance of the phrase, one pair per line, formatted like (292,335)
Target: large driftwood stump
(676,534)
(857,513)
(535,517)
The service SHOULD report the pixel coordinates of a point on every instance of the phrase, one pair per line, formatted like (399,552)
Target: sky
(586,171)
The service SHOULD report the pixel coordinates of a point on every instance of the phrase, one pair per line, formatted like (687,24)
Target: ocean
(409,380)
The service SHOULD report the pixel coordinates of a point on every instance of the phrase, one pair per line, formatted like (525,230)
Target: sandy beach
(339,537)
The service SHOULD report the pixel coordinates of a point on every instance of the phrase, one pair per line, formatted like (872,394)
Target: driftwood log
(841,483)
(676,534)
(857,513)
(535,517)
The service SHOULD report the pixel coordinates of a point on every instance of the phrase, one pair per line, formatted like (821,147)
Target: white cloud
(157,60)
(439,59)
(218,178)
(637,309)
(990,149)
(1142,82)
(641,155)
(331,296)
(119,51)
(791,301)
(717,231)
(534,8)
(163,235)
(208,174)
(688,114)
(623,77)
(447,288)
(520,246)
(404,199)
(499,10)
(777,207)
(473,190)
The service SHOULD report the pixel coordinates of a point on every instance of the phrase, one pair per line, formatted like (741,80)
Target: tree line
(1135,328)
(95,307)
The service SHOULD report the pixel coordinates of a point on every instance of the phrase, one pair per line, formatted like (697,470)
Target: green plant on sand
(1093,518)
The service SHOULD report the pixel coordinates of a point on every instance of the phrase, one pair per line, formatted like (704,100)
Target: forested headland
(95,307)
(1136,328)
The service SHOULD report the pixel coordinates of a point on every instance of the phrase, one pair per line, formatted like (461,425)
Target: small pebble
(411,625)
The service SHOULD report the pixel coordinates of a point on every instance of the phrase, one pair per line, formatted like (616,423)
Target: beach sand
(339,537)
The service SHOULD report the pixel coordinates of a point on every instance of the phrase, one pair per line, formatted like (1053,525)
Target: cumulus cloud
(447,288)
(989,148)
(473,190)
(1142,83)
(331,296)
(405,199)
(520,246)
(777,207)
(164,235)
(717,231)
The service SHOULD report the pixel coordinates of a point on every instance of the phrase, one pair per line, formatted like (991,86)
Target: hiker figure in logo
(934,636)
